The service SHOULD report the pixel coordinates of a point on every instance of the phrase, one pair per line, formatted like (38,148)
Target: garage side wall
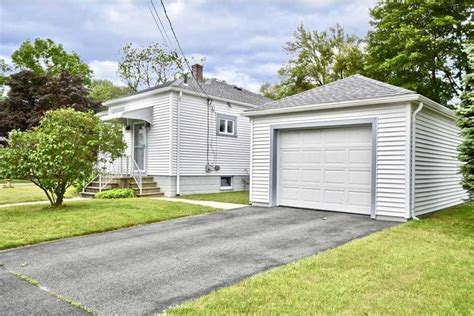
(392,193)
(437,177)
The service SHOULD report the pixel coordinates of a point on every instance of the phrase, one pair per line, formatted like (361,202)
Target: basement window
(226,125)
(226,183)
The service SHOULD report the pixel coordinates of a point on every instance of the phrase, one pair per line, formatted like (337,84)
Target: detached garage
(356,145)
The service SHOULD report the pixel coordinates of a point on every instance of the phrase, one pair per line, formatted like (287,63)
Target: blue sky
(241,40)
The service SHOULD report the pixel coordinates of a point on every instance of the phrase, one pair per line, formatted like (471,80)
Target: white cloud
(236,77)
(106,69)
(241,40)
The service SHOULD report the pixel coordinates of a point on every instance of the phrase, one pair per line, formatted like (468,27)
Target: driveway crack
(58,296)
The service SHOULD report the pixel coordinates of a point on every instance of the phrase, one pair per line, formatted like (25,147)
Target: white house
(356,145)
(187,135)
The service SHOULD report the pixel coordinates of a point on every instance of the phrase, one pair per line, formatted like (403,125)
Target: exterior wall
(437,177)
(197,184)
(393,154)
(158,136)
(232,154)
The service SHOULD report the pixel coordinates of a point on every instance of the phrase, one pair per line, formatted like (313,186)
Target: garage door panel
(334,156)
(312,176)
(334,196)
(288,174)
(334,177)
(359,177)
(326,169)
(359,156)
(335,136)
(290,156)
(289,139)
(359,198)
(290,193)
(312,156)
(311,138)
(311,195)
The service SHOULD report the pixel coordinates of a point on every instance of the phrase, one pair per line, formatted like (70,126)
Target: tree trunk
(59,200)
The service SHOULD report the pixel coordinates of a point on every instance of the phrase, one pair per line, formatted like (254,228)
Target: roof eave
(336,105)
(147,94)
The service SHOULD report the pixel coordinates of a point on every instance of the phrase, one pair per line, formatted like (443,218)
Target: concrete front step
(144,185)
(149,187)
(147,190)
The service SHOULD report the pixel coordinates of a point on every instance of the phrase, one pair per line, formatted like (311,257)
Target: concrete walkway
(39,202)
(219,205)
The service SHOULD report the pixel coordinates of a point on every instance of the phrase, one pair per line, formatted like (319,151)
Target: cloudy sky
(241,40)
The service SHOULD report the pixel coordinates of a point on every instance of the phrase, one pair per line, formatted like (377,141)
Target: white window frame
(226,118)
(231,183)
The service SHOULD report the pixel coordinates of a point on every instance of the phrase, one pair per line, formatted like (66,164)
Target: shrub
(116,194)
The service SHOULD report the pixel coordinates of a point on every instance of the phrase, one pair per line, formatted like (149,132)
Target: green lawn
(239,197)
(421,267)
(26,192)
(24,225)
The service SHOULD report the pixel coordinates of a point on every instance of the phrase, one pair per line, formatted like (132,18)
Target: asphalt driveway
(146,269)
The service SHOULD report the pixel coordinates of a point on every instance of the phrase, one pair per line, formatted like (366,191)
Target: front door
(139,145)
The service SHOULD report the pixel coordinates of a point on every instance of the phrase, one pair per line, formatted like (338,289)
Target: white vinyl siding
(158,134)
(159,138)
(437,177)
(232,154)
(392,196)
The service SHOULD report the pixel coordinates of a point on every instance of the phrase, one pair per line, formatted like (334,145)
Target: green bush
(116,194)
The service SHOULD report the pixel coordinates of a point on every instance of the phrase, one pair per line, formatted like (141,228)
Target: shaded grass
(421,267)
(26,192)
(25,225)
(238,197)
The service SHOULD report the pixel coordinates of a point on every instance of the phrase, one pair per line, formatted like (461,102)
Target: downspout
(178,192)
(413,160)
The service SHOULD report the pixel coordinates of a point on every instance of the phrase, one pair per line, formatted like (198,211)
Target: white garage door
(325,169)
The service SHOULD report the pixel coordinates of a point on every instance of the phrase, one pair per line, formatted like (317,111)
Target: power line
(156,22)
(158,16)
(181,50)
(166,40)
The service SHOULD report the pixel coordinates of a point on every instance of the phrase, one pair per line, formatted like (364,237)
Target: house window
(226,183)
(226,125)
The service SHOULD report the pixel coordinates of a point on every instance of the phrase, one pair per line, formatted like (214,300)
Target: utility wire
(156,22)
(158,16)
(181,50)
(166,39)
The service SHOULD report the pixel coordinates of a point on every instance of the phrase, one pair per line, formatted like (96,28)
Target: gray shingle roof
(356,87)
(216,88)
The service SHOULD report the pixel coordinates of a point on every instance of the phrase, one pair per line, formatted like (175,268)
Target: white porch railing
(124,166)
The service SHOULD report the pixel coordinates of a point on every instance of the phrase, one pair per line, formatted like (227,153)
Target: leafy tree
(103,90)
(419,45)
(45,57)
(61,151)
(317,58)
(149,66)
(4,72)
(31,95)
(466,123)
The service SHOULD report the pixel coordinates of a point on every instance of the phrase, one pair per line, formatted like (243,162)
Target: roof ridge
(381,83)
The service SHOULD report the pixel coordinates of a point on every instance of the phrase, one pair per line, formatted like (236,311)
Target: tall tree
(61,151)
(149,66)
(45,57)
(5,70)
(31,95)
(103,90)
(317,58)
(466,123)
(419,45)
